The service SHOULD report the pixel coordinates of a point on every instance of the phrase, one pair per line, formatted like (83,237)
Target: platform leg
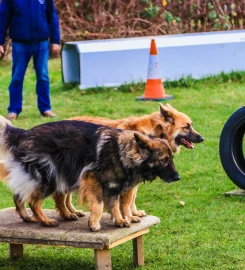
(102,259)
(15,251)
(138,251)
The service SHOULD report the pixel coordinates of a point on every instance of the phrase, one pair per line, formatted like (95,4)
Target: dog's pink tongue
(188,144)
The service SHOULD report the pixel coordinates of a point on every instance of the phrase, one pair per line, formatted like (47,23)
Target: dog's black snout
(176,177)
(200,138)
(172,178)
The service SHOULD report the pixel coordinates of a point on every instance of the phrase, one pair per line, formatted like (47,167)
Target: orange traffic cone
(154,89)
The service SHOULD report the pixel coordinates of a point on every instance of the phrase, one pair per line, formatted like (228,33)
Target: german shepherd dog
(56,157)
(168,123)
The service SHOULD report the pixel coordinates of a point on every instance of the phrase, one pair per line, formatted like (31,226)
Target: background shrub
(92,19)
(107,19)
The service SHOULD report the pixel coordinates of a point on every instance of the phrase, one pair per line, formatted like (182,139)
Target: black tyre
(232,147)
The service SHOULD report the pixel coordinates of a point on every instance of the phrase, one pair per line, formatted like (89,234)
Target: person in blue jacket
(33,28)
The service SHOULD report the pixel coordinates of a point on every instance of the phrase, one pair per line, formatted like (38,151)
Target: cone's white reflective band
(153,68)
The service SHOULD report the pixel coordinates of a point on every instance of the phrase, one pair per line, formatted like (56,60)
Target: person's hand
(54,48)
(1,50)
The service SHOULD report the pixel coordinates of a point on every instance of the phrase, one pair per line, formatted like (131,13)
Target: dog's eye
(165,160)
(188,126)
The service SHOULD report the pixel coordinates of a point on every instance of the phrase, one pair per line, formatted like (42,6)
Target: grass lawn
(205,233)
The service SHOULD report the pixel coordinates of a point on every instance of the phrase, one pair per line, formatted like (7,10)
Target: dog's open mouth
(185,142)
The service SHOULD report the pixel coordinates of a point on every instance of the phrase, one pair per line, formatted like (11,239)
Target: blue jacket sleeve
(5,17)
(53,23)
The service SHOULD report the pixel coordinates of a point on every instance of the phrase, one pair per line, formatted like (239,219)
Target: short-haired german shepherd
(56,157)
(167,123)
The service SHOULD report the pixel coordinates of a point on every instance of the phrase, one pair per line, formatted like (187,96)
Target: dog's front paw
(71,217)
(50,223)
(140,213)
(134,219)
(94,227)
(80,213)
(30,219)
(124,222)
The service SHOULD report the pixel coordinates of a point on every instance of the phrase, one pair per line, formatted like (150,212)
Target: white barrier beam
(114,62)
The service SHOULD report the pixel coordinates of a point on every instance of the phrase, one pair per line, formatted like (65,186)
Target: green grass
(207,232)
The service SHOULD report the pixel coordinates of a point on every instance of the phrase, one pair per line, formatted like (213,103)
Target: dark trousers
(21,55)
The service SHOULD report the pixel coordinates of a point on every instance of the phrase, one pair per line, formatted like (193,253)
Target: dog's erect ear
(141,140)
(169,106)
(165,112)
(158,131)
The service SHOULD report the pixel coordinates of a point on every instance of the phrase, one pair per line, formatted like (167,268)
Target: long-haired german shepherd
(56,157)
(168,123)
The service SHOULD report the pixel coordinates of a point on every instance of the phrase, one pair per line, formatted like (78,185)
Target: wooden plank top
(68,233)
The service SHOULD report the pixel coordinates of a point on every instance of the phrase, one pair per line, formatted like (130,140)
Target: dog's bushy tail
(3,124)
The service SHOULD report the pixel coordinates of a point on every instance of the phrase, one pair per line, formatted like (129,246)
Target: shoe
(48,113)
(12,116)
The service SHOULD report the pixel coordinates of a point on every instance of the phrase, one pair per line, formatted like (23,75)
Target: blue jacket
(29,20)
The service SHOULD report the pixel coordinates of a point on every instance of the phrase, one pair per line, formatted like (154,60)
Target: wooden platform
(75,234)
